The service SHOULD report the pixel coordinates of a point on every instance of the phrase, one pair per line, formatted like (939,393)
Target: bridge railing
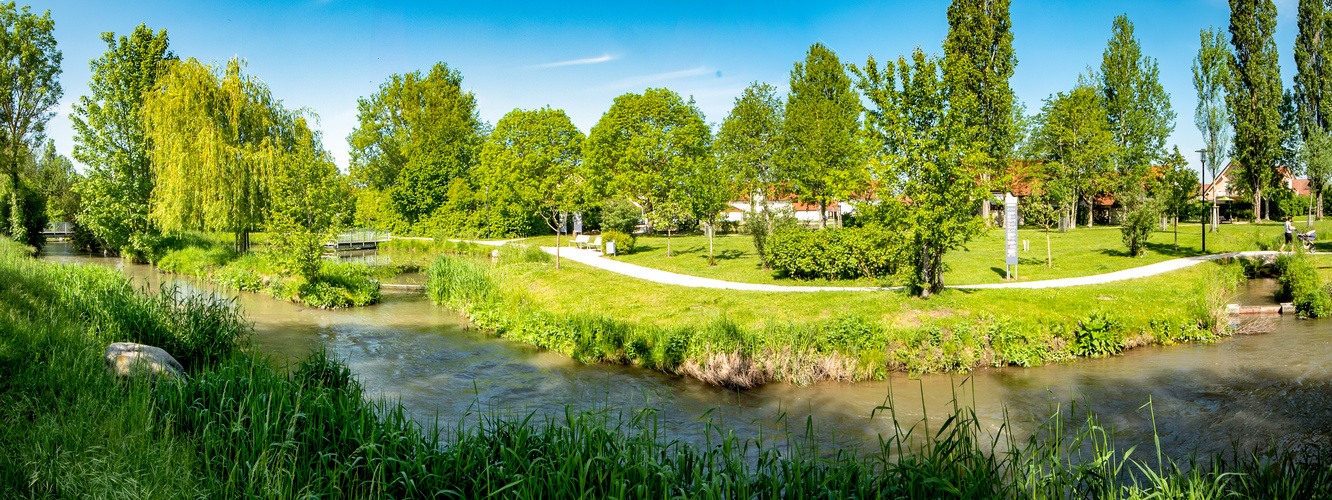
(364,234)
(59,227)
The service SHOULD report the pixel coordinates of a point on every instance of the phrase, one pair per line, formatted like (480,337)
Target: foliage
(311,201)
(765,222)
(980,48)
(54,178)
(821,129)
(748,145)
(206,124)
(533,158)
(1211,77)
(843,253)
(1137,110)
(1254,96)
(416,135)
(1313,50)
(29,95)
(624,242)
(1073,135)
(1098,335)
(925,147)
(619,214)
(1140,220)
(1300,283)
(111,141)
(646,145)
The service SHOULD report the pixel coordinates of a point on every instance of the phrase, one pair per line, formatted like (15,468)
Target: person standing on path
(1290,233)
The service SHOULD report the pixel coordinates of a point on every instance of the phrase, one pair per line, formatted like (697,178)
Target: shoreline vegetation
(742,339)
(238,427)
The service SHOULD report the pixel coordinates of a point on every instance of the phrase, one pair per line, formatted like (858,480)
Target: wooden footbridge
(58,230)
(359,239)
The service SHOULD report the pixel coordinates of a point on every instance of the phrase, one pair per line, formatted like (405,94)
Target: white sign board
(1010,229)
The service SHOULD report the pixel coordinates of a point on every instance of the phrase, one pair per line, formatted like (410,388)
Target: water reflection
(1246,388)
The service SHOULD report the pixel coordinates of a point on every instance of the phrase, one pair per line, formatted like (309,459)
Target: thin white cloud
(574,62)
(639,81)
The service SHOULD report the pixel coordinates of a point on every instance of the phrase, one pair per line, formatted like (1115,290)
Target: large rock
(128,360)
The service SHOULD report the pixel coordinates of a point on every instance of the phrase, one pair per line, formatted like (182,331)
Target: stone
(128,360)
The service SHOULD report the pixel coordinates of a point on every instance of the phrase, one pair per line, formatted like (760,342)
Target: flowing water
(1246,389)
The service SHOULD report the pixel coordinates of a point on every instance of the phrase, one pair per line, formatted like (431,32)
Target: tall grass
(240,428)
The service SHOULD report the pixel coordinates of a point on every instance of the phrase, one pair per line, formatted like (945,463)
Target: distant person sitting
(1290,234)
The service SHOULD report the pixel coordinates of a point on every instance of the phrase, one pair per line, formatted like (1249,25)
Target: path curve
(595,259)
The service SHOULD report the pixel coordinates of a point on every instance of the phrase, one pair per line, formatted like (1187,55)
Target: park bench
(595,245)
(580,241)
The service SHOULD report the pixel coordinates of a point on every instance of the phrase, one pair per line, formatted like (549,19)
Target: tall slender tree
(29,92)
(979,48)
(1313,85)
(1074,136)
(109,138)
(821,125)
(1137,109)
(749,141)
(1254,96)
(1211,77)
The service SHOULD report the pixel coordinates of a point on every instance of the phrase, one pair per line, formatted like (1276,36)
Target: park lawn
(581,289)
(1080,252)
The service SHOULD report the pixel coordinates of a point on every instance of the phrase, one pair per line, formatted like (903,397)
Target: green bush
(1139,222)
(619,215)
(624,242)
(845,253)
(1098,335)
(1300,283)
(238,277)
(196,261)
(762,224)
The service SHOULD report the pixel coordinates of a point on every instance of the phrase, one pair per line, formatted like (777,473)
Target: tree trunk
(557,249)
(668,240)
(1091,212)
(1049,261)
(1212,218)
(823,215)
(1257,205)
(1176,232)
(712,261)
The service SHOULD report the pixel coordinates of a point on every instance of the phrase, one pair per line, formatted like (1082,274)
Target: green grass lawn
(1081,252)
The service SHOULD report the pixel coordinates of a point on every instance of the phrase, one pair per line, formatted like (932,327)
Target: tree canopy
(821,126)
(29,93)
(1254,96)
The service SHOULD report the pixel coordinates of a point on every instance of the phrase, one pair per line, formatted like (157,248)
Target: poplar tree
(748,150)
(29,93)
(1211,76)
(821,128)
(1137,109)
(109,139)
(979,50)
(1254,96)
(1313,89)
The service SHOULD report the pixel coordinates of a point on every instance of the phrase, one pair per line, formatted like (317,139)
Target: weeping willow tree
(218,136)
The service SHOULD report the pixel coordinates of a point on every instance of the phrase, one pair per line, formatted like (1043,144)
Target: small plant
(1140,219)
(624,242)
(1098,335)
(515,253)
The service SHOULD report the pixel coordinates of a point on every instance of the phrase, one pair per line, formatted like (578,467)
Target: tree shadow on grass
(730,254)
(1168,249)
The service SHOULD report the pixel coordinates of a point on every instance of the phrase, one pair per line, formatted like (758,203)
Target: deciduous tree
(1137,109)
(416,135)
(310,203)
(825,160)
(29,93)
(537,156)
(1254,96)
(980,50)
(926,150)
(1072,131)
(1211,77)
(109,139)
(748,150)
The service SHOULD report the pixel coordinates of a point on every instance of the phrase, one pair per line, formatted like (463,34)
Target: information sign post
(1010,235)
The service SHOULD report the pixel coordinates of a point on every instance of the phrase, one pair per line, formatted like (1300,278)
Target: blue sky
(578,56)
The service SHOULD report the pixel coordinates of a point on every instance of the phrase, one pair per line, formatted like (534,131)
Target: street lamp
(1202,177)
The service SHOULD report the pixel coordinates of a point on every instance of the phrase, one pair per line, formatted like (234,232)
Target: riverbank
(239,428)
(743,339)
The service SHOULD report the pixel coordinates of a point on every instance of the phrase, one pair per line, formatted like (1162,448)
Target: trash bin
(610,247)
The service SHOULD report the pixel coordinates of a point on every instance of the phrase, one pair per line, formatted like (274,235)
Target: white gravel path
(595,259)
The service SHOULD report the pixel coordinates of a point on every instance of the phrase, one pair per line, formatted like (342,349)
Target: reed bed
(240,428)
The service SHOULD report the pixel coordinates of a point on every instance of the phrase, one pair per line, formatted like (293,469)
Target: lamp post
(1202,176)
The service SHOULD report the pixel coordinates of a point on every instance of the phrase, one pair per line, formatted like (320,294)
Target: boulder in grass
(128,360)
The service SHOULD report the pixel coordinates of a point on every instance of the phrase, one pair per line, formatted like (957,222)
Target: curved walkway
(595,259)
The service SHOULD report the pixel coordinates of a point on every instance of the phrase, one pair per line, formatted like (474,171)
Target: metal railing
(364,235)
(59,227)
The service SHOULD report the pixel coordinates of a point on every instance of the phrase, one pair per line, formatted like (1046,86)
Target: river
(1246,389)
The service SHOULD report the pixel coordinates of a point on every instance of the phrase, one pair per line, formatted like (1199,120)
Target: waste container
(610,247)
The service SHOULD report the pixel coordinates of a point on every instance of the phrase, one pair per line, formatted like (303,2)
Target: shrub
(624,242)
(1300,283)
(619,215)
(845,253)
(1139,222)
(196,261)
(238,277)
(763,224)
